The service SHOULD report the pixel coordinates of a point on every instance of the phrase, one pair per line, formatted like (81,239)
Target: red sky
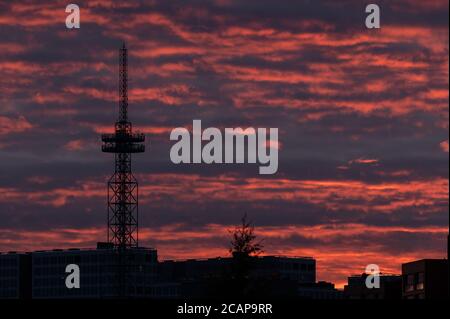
(362,115)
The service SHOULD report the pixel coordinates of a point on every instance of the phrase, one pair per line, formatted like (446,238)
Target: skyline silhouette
(362,117)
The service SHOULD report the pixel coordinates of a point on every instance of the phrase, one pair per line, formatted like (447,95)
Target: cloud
(362,118)
(10,125)
(444,146)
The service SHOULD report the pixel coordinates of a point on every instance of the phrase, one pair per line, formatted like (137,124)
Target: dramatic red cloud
(75,145)
(444,146)
(14,125)
(323,80)
(329,194)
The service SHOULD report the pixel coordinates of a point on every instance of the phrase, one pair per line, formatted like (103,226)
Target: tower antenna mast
(123,228)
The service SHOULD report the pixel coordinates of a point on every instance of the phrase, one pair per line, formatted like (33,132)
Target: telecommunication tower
(123,230)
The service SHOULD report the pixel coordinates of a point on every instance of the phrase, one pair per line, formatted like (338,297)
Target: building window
(409,283)
(420,281)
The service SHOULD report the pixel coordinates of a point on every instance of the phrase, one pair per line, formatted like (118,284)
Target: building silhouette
(274,276)
(15,275)
(42,275)
(98,273)
(425,279)
(390,287)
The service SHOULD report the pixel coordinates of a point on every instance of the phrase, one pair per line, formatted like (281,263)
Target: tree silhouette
(244,248)
(244,240)
(242,279)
